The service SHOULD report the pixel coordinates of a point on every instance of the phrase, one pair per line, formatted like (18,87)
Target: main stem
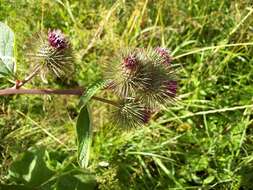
(79,92)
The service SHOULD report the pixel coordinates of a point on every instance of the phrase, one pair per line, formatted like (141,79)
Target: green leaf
(7,64)
(92,90)
(84,136)
(31,169)
(76,180)
(3,69)
(83,126)
(208,180)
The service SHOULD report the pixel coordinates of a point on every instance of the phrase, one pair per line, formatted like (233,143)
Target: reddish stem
(79,92)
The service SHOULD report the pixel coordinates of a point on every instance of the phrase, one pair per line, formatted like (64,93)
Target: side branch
(34,73)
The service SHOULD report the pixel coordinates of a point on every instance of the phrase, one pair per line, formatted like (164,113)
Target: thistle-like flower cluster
(143,80)
(54,52)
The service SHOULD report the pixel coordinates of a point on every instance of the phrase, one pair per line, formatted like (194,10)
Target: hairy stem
(79,92)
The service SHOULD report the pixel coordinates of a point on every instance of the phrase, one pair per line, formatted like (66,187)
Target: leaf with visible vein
(92,90)
(84,136)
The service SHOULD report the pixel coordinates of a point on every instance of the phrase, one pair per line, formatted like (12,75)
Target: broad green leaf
(84,136)
(91,91)
(31,169)
(34,170)
(7,64)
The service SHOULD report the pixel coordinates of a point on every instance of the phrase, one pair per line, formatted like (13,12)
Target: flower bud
(131,113)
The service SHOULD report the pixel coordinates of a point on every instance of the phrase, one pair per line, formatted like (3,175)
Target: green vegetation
(202,141)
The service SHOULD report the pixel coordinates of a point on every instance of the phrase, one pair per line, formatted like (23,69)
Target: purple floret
(146,115)
(171,88)
(57,40)
(130,62)
(164,53)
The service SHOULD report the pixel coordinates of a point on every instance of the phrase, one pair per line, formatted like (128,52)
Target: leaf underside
(7,60)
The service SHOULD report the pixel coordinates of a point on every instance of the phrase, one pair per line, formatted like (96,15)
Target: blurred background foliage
(204,141)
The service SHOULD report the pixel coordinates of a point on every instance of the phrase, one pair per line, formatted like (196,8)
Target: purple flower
(56,39)
(164,53)
(130,62)
(171,88)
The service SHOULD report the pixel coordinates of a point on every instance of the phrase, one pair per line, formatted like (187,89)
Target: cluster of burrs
(143,80)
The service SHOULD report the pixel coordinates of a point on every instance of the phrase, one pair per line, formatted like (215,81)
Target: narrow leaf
(7,64)
(84,136)
(83,126)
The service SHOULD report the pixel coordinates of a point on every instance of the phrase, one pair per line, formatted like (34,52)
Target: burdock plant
(141,80)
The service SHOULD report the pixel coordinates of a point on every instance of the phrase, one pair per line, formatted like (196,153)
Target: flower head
(127,73)
(54,52)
